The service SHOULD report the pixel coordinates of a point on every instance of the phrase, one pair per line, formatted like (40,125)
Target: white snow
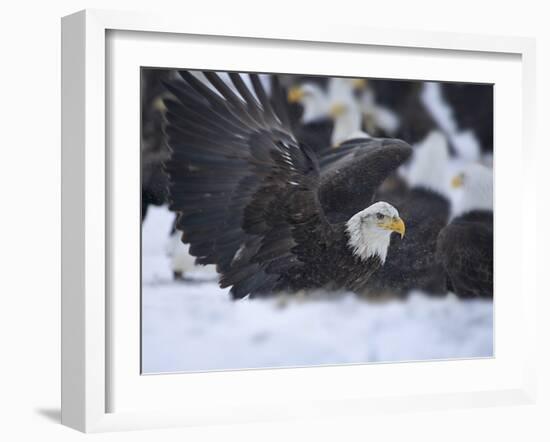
(194,326)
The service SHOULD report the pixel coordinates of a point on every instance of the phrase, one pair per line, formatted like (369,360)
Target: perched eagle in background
(253,201)
(465,246)
(311,122)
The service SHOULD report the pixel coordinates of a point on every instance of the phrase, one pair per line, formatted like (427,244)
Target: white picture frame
(87,316)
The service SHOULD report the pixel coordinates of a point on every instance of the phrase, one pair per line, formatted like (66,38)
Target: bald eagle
(254,202)
(465,246)
(312,124)
(330,116)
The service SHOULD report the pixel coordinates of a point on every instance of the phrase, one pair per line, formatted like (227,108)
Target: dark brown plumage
(465,250)
(412,263)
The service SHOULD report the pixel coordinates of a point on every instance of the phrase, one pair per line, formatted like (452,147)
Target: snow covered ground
(190,326)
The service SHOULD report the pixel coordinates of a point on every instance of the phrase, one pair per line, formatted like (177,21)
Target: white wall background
(30,221)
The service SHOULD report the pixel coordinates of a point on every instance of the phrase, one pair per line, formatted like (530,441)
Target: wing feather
(246,192)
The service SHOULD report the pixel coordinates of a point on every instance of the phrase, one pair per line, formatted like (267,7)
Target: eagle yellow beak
(359,84)
(337,110)
(458,181)
(295,94)
(395,224)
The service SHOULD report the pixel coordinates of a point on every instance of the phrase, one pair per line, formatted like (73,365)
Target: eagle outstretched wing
(352,173)
(245,190)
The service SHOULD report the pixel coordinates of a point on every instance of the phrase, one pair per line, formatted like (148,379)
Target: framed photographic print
(262,224)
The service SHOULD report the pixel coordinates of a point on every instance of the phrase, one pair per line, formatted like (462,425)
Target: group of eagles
(291,184)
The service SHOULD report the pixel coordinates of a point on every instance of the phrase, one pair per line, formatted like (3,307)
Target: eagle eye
(379,216)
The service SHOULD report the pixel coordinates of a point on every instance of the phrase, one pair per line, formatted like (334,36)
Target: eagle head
(370,230)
